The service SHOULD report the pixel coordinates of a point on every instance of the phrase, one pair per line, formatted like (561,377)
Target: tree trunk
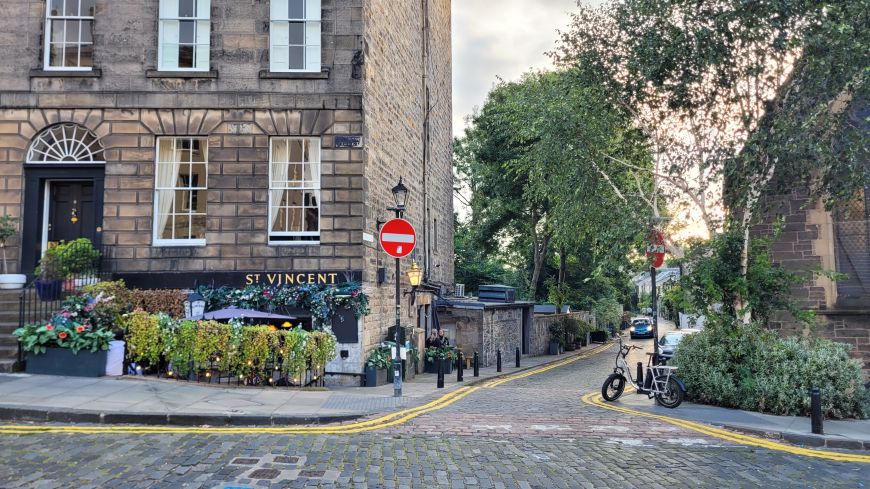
(540,244)
(560,285)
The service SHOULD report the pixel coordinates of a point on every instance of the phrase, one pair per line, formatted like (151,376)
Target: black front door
(71,212)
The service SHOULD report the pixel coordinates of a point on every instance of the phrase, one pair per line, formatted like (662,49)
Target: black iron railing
(63,271)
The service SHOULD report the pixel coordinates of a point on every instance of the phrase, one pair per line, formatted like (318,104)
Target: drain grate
(282,459)
(245,461)
(264,474)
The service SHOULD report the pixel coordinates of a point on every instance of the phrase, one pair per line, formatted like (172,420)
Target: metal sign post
(398,239)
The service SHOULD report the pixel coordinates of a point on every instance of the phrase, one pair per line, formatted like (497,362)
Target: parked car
(641,328)
(671,340)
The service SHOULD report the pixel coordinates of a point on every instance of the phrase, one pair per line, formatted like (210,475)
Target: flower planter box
(62,361)
(553,348)
(432,366)
(49,290)
(375,377)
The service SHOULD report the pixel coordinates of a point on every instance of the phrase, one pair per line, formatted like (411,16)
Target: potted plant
(49,285)
(80,262)
(443,355)
(65,347)
(376,366)
(557,338)
(9,280)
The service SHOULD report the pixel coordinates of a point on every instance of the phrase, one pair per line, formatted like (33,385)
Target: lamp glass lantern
(415,275)
(400,193)
(194,305)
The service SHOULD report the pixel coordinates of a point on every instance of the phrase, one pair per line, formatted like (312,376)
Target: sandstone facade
(384,90)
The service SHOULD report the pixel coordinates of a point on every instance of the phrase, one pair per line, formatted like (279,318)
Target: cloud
(500,38)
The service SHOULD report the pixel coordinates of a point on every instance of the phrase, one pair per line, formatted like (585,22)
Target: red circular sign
(398,238)
(655,251)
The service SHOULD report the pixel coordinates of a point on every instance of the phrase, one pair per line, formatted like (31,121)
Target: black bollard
(816,408)
(639,373)
(518,357)
(459,367)
(476,365)
(498,360)
(440,373)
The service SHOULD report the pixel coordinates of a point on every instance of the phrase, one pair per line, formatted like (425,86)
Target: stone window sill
(294,75)
(40,73)
(181,74)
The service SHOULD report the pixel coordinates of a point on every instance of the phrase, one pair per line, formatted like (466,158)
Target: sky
(500,38)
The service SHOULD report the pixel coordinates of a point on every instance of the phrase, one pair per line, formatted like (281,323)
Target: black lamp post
(400,193)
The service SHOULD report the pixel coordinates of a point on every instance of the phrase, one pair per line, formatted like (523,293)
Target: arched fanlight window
(66,143)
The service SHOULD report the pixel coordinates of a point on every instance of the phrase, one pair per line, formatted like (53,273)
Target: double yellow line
(595,399)
(392,419)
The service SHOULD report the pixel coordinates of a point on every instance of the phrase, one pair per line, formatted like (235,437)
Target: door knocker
(74,218)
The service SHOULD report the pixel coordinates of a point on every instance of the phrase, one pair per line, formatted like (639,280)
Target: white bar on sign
(398,238)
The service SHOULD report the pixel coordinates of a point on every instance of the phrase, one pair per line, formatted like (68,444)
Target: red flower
(79,329)
(62,335)
(49,327)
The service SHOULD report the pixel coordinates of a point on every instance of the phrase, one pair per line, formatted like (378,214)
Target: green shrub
(748,367)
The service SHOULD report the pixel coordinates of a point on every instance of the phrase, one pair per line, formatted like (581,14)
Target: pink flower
(62,335)
(79,329)
(49,327)
(66,314)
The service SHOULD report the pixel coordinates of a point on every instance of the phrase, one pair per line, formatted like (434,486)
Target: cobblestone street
(532,432)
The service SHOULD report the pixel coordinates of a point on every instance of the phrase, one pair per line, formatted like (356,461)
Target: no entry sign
(398,238)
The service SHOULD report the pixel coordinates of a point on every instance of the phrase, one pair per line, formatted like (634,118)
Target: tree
(536,162)
(732,94)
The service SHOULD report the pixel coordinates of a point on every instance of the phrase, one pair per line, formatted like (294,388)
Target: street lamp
(415,275)
(194,306)
(400,194)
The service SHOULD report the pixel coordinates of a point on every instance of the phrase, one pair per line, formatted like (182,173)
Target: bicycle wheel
(672,395)
(613,387)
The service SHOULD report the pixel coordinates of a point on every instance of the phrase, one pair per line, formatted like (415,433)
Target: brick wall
(394,100)
(806,245)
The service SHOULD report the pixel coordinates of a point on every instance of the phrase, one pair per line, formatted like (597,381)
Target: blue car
(641,328)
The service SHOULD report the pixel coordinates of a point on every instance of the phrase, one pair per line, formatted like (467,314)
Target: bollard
(639,373)
(440,384)
(476,365)
(518,357)
(459,372)
(816,408)
(498,360)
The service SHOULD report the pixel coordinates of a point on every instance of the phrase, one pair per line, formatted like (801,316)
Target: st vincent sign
(295,278)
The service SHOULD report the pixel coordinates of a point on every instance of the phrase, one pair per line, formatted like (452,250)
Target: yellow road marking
(595,399)
(386,421)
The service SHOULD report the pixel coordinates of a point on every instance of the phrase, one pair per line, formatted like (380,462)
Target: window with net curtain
(69,35)
(180,196)
(294,191)
(184,33)
(294,36)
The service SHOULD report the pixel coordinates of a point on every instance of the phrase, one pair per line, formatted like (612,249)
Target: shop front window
(294,191)
(181,189)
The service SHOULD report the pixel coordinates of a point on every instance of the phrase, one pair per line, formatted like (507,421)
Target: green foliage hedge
(748,367)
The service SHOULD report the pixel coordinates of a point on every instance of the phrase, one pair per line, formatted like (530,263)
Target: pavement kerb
(388,420)
(595,399)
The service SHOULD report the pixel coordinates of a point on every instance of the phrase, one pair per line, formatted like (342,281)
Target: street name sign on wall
(398,238)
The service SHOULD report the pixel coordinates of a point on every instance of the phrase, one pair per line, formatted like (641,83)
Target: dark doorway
(71,212)
(61,203)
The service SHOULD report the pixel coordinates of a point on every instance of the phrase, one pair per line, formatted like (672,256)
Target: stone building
(217,141)
(815,239)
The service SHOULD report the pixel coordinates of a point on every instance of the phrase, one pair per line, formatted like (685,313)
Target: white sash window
(69,35)
(185,29)
(295,36)
(180,192)
(294,191)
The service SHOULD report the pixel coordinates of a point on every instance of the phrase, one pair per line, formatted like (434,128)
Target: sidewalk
(138,400)
(851,434)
